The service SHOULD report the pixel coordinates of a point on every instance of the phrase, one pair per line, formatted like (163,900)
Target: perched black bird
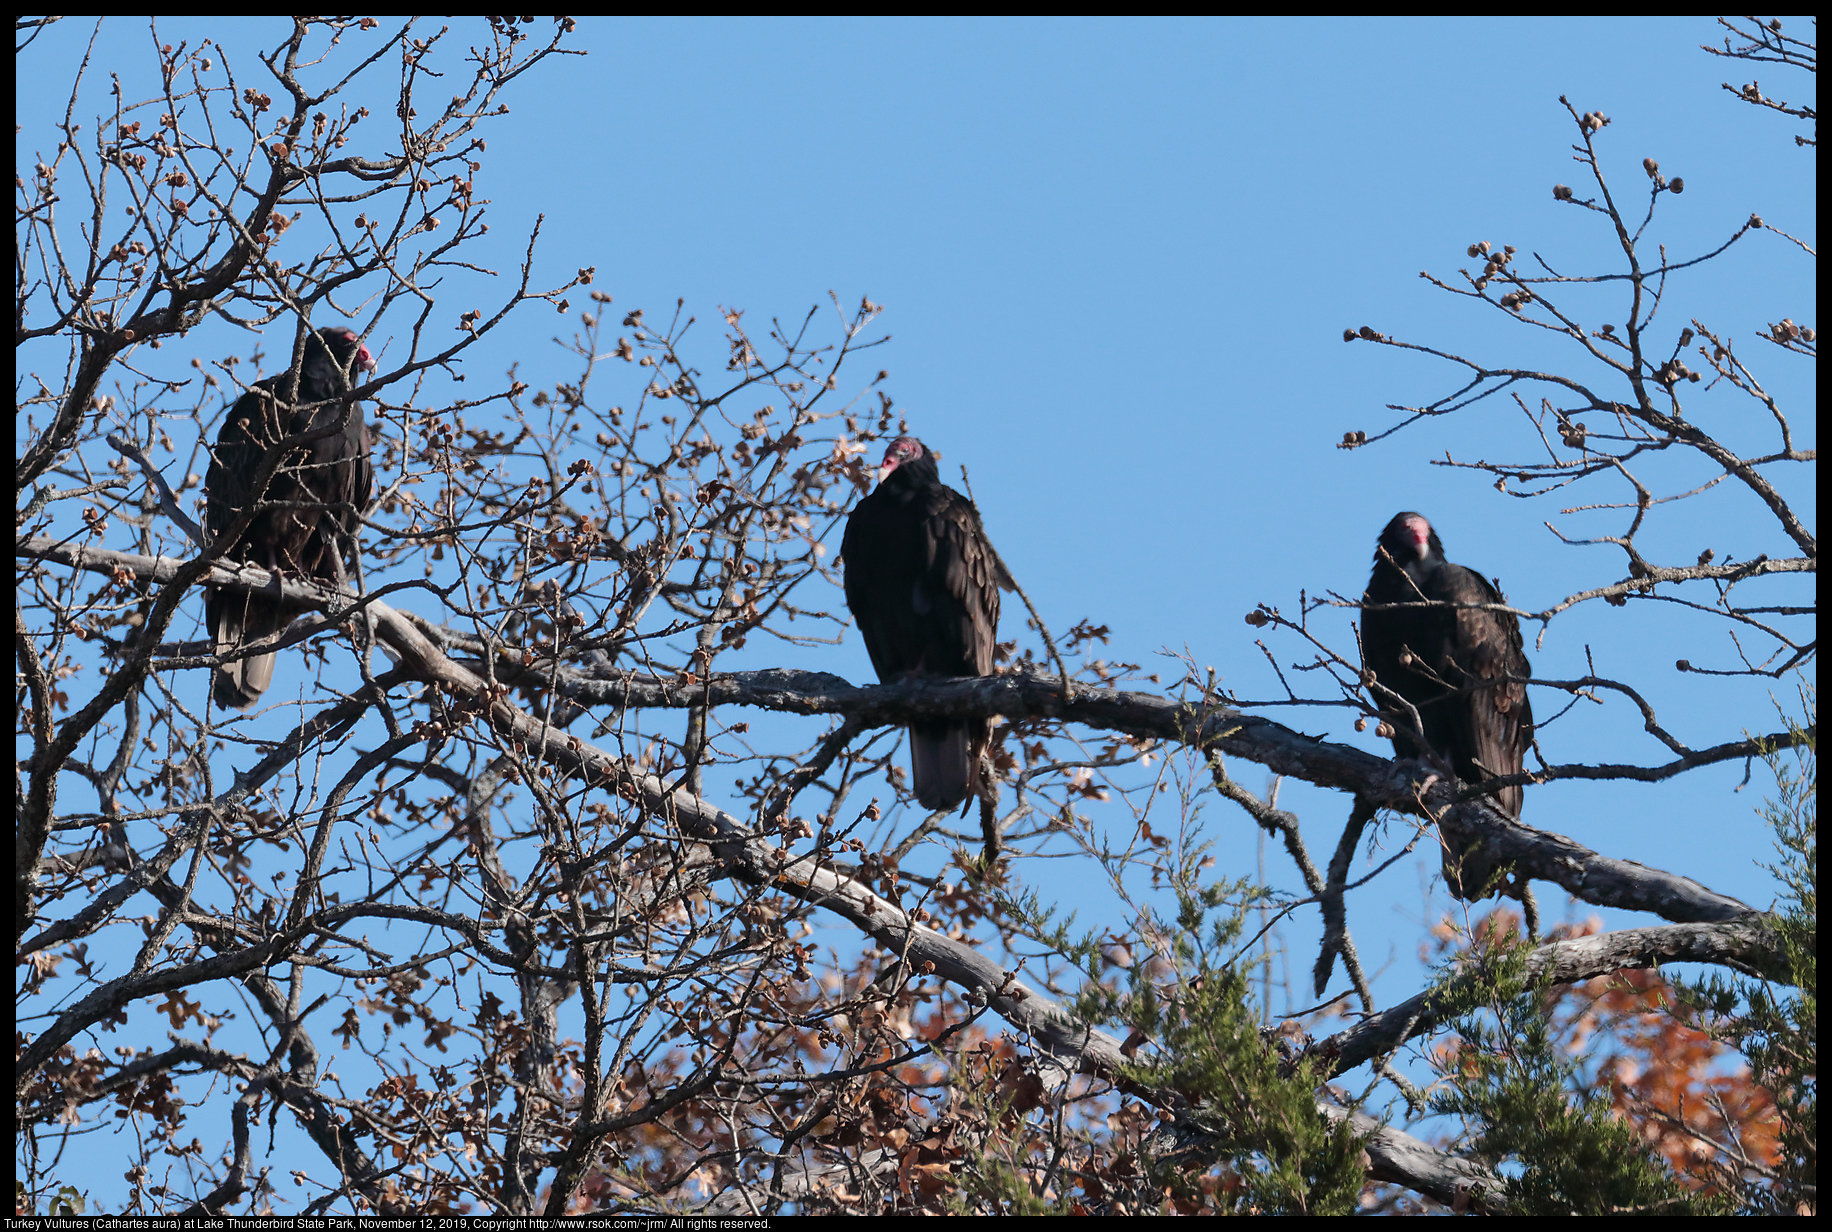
(1460,668)
(923,582)
(308,519)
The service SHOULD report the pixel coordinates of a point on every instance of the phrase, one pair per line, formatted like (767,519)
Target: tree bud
(1677,186)
(1651,167)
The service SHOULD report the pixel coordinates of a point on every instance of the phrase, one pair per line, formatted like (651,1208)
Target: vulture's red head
(365,362)
(343,341)
(1408,538)
(903,451)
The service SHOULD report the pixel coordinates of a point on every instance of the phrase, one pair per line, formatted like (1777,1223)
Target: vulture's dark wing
(1396,643)
(1463,674)
(960,588)
(236,620)
(339,476)
(923,583)
(1494,725)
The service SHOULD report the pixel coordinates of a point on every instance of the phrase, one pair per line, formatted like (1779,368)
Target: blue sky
(1117,258)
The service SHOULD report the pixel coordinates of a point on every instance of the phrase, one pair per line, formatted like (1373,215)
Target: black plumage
(922,581)
(1460,668)
(308,514)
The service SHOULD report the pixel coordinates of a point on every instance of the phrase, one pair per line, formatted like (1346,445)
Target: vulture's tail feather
(238,620)
(941,762)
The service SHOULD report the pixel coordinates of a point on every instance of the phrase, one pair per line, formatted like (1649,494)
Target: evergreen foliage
(1260,1110)
(1778,1029)
(1558,1144)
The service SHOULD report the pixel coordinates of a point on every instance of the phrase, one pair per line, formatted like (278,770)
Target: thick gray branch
(1402,786)
(1745,944)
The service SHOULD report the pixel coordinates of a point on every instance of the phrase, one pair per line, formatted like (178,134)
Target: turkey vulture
(308,520)
(1460,668)
(923,582)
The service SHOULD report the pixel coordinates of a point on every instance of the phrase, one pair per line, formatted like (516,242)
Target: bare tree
(1762,42)
(543,908)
